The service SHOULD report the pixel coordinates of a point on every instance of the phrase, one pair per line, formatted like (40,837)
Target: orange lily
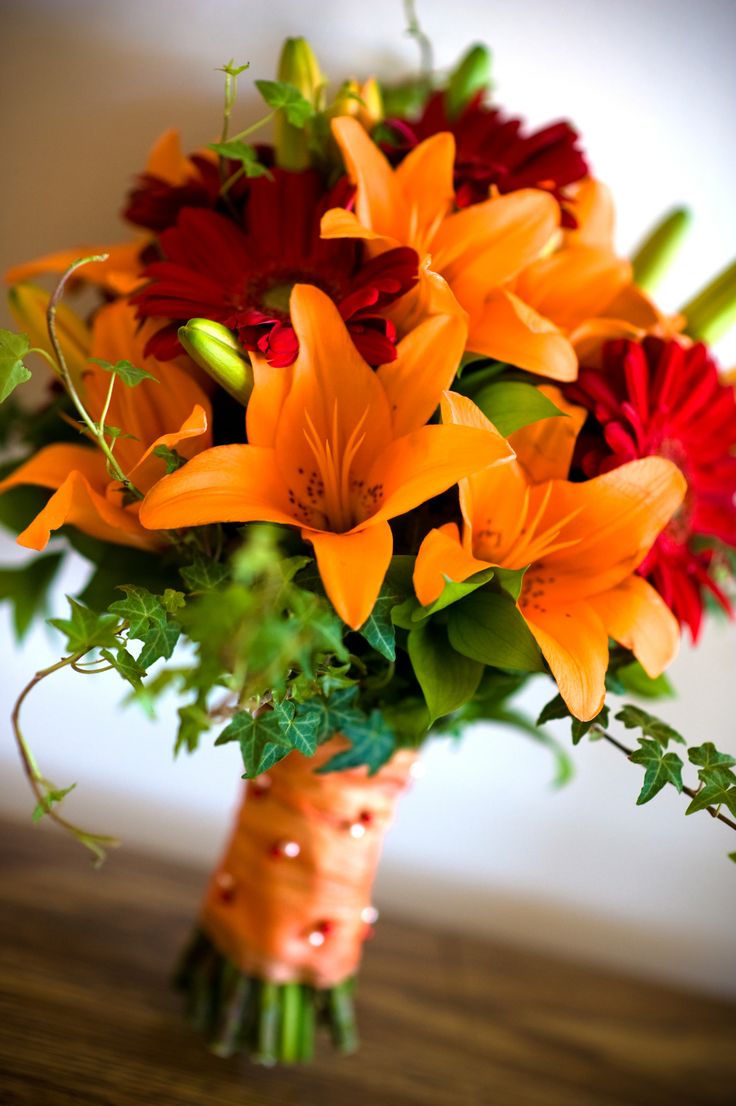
(84,495)
(120,274)
(478,251)
(581,543)
(336,449)
(585,289)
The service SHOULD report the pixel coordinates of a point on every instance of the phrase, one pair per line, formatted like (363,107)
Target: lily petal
(636,616)
(617,518)
(166,160)
(352,567)
(271,385)
(441,555)
(230,483)
(573,284)
(49,467)
(379,203)
(544,449)
(509,330)
(426,174)
(425,365)
(119,274)
(592,204)
(78,503)
(429,461)
(486,244)
(339,223)
(574,642)
(185,441)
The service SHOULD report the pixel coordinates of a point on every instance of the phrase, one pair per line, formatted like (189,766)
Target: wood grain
(87,1017)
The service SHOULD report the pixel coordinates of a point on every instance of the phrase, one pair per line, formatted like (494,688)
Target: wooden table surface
(87,1017)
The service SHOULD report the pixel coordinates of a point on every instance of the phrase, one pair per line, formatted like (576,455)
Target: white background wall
(482,842)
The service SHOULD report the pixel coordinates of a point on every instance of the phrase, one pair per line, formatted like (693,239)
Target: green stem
(291,1016)
(268,1023)
(69,384)
(253,127)
(342,1016)
(95,842)
(306,1029)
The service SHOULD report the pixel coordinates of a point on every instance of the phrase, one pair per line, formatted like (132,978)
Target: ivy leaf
(261,739)
(194,720)
(447,678)
(172,600)
(660,768)
(170,457)
(13,348)
(372,743)
(203,575)
(26,588)
(718,793)
(86,629)
(237,150)
(554,709)
(279,94)
(158,642)
(300,725)
(140,609)
(129,374)
(51,798)
(579,729)
(488,627)
(634,718)
(708,758)
(512,404)
(126,665)
(378,630)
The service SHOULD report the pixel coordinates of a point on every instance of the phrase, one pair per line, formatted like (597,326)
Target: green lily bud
(656,253)
(298,67)
(216,350)
(471,75)
(712,312)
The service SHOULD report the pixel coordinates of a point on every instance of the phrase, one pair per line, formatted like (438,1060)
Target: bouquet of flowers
(367,426)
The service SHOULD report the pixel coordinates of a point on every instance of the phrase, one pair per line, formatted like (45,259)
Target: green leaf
(487,627)
(13,348)
(139,609)
(635,680)
(554,709)
(372,743)
(129,374)
(447,678)
(170,457)
(172,600)
(635,718)
(51,798)
(379,630)
(86,629)
(27,587)
(707,757)
(453,592)
(237,150)
(126,665)
(660,768)
(268,737)
(295,106)
(203,575)
(158,642)
(194,720)
(512,404)
(718,793)
(579,729)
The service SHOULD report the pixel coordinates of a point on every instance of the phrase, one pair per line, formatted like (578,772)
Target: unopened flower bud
(471,75)
(711,313)
(656,253)
(216,350)
(298,67)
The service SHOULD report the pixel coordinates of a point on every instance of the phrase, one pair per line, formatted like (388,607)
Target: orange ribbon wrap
(290,900)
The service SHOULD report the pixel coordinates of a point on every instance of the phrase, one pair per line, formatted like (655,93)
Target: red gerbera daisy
(243,278)
(492,150)
(662,397)
(155,203)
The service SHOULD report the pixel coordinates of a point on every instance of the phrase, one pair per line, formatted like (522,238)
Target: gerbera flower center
(276,298)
